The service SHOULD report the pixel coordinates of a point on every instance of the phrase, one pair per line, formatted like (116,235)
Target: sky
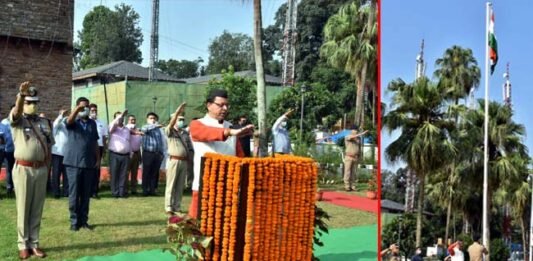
(186,27)
(443,24)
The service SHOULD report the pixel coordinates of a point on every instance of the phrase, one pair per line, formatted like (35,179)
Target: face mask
(181,124)
(84,113)
(30,109)
(284,124)
(130,126)
(152,122)
(418,252)
(92,115)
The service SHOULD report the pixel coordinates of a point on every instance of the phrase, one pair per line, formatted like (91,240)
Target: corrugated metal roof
(269,79)
(123,68)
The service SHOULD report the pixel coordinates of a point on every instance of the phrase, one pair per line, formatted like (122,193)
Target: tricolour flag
(493,45)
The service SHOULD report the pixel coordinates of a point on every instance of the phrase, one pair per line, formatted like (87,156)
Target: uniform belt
(32,164)
(178,158)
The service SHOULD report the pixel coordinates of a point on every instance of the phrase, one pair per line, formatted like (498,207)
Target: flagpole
(486,138)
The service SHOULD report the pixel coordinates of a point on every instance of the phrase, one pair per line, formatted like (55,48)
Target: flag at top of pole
(493,45)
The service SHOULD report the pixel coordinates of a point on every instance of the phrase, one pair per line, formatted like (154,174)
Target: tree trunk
(523,230)
(448,216)
(359,99)
(420,214)
(261,90)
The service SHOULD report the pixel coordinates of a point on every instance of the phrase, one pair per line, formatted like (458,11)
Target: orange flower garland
(279,210)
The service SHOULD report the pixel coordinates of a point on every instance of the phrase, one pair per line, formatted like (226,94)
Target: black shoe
(86,226)
(74,228)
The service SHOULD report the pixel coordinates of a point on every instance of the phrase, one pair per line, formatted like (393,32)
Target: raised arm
(114,123)
(278,122)
(72,117)
(174,118)
(201,132)
(16,112)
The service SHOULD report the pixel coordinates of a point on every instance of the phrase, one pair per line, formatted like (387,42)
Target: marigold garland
(279,213)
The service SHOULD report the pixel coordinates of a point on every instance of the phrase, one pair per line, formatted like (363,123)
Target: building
(127,86)
(36,45)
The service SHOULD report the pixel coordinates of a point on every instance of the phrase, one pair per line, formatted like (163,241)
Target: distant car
(516,256)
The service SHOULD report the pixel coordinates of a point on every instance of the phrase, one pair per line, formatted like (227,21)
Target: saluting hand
(24,87)
(181,108)
(289,112)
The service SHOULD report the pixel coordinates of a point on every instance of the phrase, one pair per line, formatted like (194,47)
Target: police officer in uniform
(32,159)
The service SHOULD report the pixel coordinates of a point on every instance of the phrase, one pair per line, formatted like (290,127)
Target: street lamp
(530,179)
(154,99)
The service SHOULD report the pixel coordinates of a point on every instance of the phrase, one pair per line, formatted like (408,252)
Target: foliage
(186,239)
(350,44)
(400,231)
(180,69)
(392,188)
(498,250)
(241,94)
(373,183)
(321,107)
(108,36)
(231,49)
(321,227)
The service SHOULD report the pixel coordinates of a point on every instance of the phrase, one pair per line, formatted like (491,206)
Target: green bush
(498,250)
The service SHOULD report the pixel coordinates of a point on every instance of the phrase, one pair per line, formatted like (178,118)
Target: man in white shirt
(58,149)
(103,135)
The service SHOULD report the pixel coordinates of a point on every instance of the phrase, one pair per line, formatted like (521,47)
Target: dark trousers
(10,160)
(80,183)
(151,165)
(96,181)
(58,173)
(118,169)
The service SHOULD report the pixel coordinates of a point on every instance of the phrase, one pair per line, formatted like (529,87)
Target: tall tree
(506,151)
(351,44)
(417,110)
(108,36)
(261,87)
(180,69)
(231,49)
(458,72)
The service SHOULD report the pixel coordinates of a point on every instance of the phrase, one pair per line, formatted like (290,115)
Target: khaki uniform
(351,158)
(32,138)
(475,251)
(176,170)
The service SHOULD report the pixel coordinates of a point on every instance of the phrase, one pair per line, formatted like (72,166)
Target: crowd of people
(64,156)
(454,252)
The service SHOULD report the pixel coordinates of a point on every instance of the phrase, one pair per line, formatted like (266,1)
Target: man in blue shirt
(153,152)
(8,153)
(81,160)
(282,141)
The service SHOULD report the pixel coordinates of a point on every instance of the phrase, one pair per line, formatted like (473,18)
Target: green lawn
(120,225)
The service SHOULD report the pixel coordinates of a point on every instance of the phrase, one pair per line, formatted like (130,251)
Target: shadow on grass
(133,223)
(158,240)
(349,256)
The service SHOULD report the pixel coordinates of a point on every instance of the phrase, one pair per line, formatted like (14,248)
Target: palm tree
(350,43)
(417,110)
(458,72)
(507,154)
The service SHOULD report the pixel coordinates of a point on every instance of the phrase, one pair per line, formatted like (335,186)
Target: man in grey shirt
(282,141)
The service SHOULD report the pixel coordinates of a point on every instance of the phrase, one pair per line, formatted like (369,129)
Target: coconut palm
(350,43)
(417,110)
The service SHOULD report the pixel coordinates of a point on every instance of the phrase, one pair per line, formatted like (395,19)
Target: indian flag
(493,50)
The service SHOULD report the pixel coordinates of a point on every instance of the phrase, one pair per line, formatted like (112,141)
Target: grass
(120,225)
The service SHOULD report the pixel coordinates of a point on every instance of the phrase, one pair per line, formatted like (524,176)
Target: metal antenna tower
(154,40)
(507,88)
(411,181)
(289,42)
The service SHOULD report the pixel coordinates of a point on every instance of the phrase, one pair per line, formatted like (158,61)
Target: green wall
(137,97)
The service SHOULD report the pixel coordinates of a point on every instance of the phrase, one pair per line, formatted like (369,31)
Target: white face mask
(130,126)
(181,124)
(284,124)
(84,113)
(92,115)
